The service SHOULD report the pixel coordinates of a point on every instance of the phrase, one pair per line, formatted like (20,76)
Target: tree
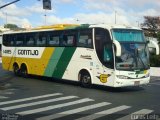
(152,24)
(158,37)
(11,26)
(151,27)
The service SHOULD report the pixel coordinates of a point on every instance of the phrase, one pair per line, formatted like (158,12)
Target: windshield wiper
(140,58)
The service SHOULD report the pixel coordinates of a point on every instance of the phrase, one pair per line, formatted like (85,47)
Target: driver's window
(108,56)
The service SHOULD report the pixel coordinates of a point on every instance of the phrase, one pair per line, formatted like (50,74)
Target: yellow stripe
(34,65)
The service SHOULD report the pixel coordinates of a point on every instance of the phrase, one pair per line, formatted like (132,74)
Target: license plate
(136,82)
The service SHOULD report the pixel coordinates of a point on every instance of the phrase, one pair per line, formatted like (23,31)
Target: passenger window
(9,40)
(69,38)
(20,40)
(53,40)
(30,40)
(85,38)
(41,39)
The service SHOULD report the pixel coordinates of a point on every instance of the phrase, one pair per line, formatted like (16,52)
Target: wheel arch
(24,65)
(15,63)
(85,70)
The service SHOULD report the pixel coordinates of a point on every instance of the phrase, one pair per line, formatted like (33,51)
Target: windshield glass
(134,56)
(128,35)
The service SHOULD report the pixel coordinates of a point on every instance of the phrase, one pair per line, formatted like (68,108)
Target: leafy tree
(11,26)
(152,24)
(158,37)
(151,27)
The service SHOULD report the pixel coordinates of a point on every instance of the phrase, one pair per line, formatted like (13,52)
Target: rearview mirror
(118,48)
(155,45)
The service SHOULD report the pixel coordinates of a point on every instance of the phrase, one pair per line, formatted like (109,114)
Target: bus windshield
(128,35)
(134,56)
(134,48)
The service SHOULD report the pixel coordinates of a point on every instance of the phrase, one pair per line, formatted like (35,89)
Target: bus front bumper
(131,82)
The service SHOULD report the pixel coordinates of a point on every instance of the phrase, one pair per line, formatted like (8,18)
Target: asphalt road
(45,98)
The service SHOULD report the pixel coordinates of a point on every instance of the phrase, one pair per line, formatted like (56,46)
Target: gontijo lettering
(28,52)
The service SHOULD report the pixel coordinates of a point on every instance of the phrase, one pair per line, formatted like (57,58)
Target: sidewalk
(155,71)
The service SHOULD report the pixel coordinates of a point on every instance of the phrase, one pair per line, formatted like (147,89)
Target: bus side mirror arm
(155,46)
(118,48)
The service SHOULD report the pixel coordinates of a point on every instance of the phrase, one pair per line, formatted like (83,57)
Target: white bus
(115,56)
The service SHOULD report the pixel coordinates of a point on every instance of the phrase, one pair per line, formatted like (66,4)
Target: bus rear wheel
(85,79)
(24,71)
(16,69)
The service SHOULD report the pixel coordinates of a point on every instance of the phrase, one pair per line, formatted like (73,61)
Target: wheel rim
(24,72)
(86,80)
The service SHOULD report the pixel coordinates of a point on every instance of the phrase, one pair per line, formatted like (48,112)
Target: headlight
(122,77)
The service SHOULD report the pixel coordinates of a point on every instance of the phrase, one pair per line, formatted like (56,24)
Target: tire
(16,69)
(85,79)
(24,71)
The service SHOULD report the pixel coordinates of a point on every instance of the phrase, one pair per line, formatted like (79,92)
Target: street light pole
(115,17)
(8,4)
(6,18)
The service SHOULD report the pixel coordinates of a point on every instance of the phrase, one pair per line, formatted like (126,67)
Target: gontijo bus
(102,54)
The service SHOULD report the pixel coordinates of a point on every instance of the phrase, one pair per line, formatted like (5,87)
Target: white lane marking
(30,98)
(136,114)
(8,93)
(73,111)
(154,84)
(104,113)
(3,97)
(37,103)
(54,107)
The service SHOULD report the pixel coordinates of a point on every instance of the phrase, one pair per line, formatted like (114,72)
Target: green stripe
(63,62)
(53,61)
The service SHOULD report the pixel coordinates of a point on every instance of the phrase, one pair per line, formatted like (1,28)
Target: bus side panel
(36,65)
(59,61)
(83,58)
(8,57)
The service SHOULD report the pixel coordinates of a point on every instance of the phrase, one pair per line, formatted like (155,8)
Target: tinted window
(53,38)
(68,38)
(104,47)
(20,40)
(30,39)
(128,35)
(41,38)
(85,38)
(9,40)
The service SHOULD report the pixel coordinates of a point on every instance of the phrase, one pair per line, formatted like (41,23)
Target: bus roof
(72,26)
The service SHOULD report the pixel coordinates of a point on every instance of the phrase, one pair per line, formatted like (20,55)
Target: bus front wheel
(85,79)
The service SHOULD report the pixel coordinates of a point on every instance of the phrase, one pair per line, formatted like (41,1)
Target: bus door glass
(103,47)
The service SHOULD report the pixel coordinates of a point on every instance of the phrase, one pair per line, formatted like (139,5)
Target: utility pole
(8,4)
(46,6)
(45,17)
(6,18)
(115,17)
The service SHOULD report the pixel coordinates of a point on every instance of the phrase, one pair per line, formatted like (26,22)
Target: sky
(31,13)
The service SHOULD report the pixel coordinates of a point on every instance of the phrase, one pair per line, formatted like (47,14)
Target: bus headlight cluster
(122,77)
